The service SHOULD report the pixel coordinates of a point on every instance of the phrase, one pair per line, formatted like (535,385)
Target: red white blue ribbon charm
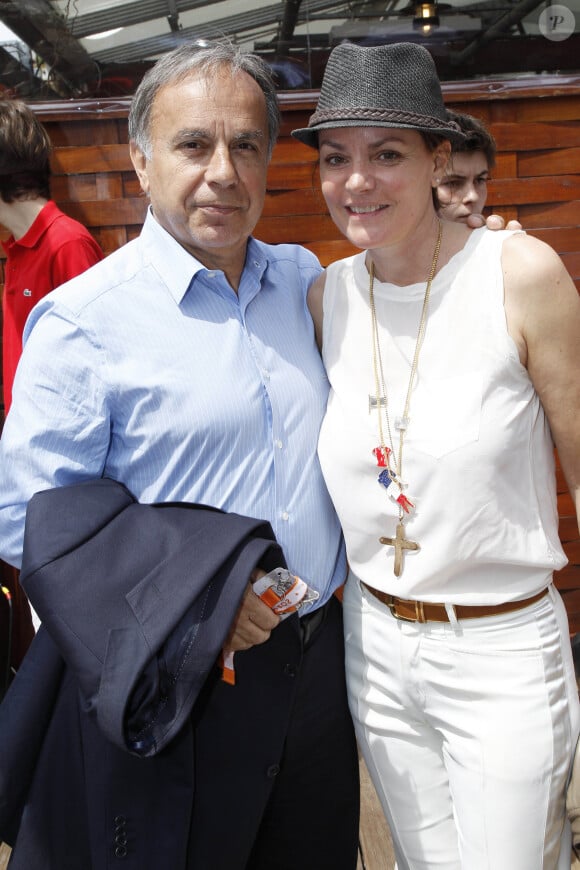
(386,478)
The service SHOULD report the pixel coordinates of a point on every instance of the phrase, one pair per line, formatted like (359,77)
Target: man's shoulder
(112,273)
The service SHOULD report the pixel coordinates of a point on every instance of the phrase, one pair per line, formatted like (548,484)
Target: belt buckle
(419,613)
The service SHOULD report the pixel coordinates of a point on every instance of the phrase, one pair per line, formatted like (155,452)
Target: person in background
(454,368)
(462,190)
(45,248)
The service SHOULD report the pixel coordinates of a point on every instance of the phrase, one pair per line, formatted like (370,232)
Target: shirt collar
(48,214)
(176,267)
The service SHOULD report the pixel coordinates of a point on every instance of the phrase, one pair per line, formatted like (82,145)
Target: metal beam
(15,76)
(288,23)
(39,25)
(127,14)
(232,25)
(514,16)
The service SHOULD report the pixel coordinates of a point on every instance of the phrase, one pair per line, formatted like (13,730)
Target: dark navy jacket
(119,700)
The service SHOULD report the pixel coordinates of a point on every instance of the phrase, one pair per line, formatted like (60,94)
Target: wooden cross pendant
(400,543)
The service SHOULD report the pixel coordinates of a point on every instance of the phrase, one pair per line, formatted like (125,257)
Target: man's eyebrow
(252,135)
(189,133)
(202,133)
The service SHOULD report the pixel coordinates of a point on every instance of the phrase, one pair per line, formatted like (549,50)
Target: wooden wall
(536,122)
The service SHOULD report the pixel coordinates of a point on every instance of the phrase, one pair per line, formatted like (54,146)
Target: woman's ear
(441,157)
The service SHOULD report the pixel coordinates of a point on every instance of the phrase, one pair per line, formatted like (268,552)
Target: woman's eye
(334,160)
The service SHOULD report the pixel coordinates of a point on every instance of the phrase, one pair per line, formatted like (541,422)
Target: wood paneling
(535,120)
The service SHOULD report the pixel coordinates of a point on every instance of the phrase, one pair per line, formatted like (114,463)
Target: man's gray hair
(204,57)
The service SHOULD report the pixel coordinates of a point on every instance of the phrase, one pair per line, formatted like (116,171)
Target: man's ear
(139,162)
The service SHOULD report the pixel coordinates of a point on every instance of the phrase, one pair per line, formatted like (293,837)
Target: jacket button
(290,670)
(273,771)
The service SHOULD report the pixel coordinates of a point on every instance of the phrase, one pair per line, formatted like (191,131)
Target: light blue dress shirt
(150,370)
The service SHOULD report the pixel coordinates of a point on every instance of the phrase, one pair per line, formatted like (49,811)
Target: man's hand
(493,222)
(253,623)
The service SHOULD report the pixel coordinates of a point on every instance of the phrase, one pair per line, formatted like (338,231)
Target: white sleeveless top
(478,458)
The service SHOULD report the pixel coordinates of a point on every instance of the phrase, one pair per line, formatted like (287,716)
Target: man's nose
(469,193)
(221,169)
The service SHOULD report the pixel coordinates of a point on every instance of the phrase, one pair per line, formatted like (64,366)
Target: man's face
(463,188)
(206,174)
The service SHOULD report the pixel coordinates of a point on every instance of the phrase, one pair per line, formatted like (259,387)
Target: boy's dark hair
(24,153)
(477,137)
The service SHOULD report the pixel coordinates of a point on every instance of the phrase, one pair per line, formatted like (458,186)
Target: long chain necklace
(391,463)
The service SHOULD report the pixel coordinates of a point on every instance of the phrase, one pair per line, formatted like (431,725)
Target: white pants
(467,732)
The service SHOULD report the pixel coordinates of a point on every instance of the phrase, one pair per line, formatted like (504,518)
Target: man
(45,249)
(463,189)
(185,367)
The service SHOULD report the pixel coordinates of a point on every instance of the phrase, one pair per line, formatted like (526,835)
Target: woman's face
(377,182)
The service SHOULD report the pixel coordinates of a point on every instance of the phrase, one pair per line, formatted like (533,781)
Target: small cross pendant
(400,543)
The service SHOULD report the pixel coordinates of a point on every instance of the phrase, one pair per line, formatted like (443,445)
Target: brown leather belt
(429,611)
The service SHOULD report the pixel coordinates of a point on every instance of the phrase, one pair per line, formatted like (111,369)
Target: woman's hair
(204,57)
(24,153)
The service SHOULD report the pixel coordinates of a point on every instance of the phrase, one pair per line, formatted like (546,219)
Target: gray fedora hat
(392,85)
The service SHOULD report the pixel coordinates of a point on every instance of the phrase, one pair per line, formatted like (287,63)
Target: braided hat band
(381,86)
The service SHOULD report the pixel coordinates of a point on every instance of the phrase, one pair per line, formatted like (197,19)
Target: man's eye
(452,184)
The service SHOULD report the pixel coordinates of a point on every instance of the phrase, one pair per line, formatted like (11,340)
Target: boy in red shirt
(46,247)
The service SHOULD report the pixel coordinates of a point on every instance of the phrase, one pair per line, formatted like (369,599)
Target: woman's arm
(543,316)
(315,297)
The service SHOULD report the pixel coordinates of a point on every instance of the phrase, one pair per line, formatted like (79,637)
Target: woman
(453,360)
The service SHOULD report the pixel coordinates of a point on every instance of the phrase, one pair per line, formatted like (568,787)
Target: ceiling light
(426,16)
(104,34)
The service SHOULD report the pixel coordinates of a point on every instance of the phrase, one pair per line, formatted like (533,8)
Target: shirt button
(273,771)
(290,670)
(279,443)
(285,515)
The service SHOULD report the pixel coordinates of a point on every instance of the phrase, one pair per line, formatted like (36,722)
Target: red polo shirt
(55,249)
